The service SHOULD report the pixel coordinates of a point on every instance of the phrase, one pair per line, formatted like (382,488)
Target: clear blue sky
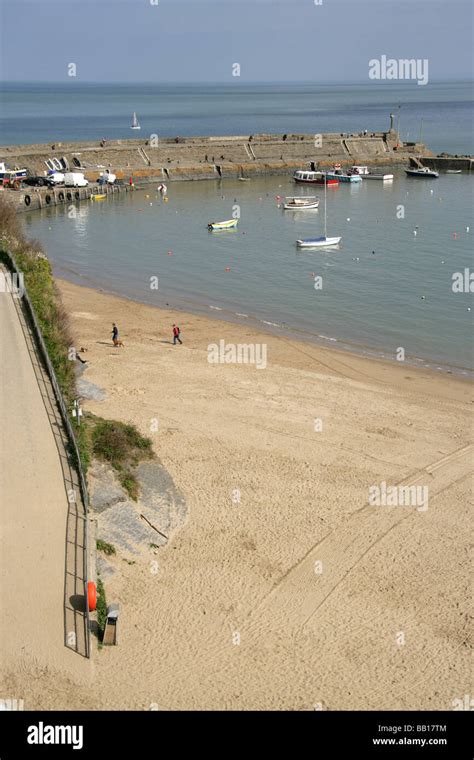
(199,40)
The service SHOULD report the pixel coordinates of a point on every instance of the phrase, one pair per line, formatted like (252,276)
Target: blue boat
(337,173)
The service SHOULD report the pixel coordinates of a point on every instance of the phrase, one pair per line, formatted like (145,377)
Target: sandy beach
(283,589)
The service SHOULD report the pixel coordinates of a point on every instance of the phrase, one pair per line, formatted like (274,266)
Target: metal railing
(69,430)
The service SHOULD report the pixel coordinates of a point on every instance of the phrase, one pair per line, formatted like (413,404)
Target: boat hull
(220,226)
(344,177)
(321,242)
(381,177)
(300,207)
(421,175)
(315,181)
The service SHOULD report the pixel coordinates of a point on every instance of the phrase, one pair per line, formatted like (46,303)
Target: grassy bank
(120,445)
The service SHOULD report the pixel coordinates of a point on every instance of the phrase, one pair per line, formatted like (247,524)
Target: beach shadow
(78,602)
(94,628)
(104,343)
(169,342)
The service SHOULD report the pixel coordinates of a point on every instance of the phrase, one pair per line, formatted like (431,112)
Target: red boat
(305,177)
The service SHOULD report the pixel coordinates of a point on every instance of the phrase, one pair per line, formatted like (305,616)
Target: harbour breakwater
(198,158)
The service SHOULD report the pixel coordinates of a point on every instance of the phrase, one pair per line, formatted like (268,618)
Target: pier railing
(69,431)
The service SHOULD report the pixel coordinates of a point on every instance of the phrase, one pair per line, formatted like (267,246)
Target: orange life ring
(91,596)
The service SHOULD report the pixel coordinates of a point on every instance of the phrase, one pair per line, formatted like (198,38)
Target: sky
(201,40)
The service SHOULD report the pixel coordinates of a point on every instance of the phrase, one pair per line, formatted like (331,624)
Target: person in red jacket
(176,334)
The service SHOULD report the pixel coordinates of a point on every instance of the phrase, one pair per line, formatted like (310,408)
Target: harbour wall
(208,157)
(198,158)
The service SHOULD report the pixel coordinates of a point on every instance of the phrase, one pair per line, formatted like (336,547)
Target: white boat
(320,242)
(423,172)
(228,224)
(300,202)
(11,174)
(135,122)
(363,172)
(323,241)
(453,171)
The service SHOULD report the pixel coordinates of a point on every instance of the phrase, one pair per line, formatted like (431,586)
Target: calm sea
(384,288)
(441,112)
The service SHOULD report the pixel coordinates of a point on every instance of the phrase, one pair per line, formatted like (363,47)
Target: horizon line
(233,82)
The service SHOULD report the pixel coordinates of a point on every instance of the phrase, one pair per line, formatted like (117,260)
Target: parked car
(57,177)
(75,179)
(39,181)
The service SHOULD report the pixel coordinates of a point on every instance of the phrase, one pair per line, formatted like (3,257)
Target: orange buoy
(227,269)
(91,596)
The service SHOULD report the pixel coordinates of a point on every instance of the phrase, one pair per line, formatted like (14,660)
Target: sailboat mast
(325,197)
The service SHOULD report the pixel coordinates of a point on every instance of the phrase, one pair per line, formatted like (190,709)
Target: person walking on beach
(176,334)
(115,334)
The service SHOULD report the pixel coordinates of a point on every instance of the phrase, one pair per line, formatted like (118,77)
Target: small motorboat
(423,172)
(304,177)
(301,202)
(98,196)
(453,171)
(319,242)
(218,226)
(338,174)
(363,172)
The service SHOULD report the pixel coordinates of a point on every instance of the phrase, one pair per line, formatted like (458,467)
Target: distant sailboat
(135,122)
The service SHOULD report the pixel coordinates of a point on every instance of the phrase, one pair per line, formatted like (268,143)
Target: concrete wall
(206,157)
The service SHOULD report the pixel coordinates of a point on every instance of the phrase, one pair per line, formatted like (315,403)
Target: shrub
(105,547)
(101,608)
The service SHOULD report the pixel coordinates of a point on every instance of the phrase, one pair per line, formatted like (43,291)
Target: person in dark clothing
(176,334)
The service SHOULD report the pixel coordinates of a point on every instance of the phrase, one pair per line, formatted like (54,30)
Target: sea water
(388,285)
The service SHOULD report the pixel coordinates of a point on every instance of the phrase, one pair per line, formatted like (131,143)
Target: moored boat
(323,241)
(363,172)
(301,202)
(306,177)
(423,172)
(319,242)
(11,174)
(226,225)
(337,173)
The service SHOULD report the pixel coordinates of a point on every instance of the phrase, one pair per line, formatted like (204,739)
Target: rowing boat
(319,242)
(301,202)
(227,225)
(98,197)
